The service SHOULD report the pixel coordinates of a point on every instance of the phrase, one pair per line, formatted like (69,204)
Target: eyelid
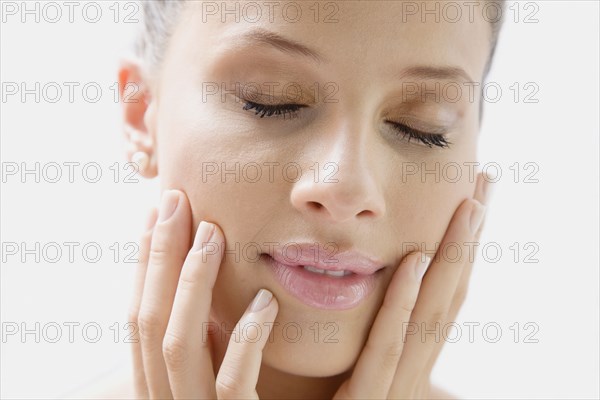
(282,93)
(420,126)
(268,100)
(257,97)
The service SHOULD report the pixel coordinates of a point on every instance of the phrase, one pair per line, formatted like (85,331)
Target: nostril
(366,213)
(314,205)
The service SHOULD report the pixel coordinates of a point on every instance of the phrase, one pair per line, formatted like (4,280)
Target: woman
(311,156)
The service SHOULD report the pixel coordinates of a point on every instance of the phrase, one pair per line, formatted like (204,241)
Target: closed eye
(291,110)
(427,138)
(265,110)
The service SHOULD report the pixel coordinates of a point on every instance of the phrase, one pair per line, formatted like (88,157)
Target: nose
(340,186)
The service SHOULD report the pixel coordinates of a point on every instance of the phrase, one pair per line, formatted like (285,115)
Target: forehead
(367,37)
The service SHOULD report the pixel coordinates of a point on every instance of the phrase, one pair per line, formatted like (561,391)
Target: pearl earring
(142,159)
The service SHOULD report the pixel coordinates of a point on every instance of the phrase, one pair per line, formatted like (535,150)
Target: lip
(321,290)
(326,257)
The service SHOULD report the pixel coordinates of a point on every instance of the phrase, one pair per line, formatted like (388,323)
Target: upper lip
(327,257)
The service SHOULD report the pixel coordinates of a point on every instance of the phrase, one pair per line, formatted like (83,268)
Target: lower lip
(321,290)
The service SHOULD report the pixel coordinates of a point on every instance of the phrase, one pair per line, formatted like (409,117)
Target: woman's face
(336,172)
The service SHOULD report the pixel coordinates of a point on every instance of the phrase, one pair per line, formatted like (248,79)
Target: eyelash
(269,110)
(428,139)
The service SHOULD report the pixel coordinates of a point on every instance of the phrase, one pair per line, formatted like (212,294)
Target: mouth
(326,272)
(338,283)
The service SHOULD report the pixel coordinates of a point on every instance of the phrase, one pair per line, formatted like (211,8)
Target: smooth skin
(375,206)
(172,352)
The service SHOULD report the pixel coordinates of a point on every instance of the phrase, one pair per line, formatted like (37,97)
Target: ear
(138,115)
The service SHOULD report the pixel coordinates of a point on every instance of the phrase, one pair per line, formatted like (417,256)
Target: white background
(559,294)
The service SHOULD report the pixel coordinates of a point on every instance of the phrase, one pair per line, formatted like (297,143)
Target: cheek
(222,170)
(423,206)
(218,173)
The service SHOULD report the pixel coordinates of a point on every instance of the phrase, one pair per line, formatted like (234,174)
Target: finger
(435,296)
(139,380)
(482,194)
(483,190)
(238,375)
(169,246)
(376,365)
(186,346)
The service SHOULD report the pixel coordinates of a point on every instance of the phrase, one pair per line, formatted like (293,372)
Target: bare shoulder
(437,393)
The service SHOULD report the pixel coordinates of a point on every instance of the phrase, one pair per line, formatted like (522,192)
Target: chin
(310,357)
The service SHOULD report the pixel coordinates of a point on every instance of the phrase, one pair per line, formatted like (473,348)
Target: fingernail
(423,261)
(151,220)
(262,300)
(168,205)
(477,214)
(204,233)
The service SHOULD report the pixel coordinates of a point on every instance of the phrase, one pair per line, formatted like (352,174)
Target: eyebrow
(440,73)
(262,36)
(268,38)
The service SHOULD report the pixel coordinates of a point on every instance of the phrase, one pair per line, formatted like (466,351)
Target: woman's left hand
(396,365)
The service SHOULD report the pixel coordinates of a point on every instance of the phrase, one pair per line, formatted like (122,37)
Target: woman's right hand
(171,306)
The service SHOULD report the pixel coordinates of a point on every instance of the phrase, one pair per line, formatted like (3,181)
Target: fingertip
(409,267)
(485,186)
(275,305)
(421,264)
(415,265)
(208,238)
(264,307)
(261,301)
(169,203)
(476,216)
(218,235)
(218,239)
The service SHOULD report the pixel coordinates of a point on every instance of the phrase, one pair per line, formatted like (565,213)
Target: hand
(391,365)
(172,355)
